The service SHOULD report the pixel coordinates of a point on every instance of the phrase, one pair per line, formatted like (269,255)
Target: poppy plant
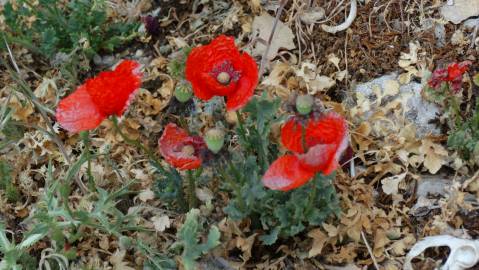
(106,94)
(179,149)
(316,146)
(219,69)
(452,74)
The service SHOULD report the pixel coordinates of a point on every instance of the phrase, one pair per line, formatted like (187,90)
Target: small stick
(264,58)
(376,265)
(474,35)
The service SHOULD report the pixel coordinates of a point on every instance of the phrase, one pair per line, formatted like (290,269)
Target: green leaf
(475,79)
(30,240)
(269,239)
(5,244)
(188,240)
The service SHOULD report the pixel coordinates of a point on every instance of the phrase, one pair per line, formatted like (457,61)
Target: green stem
(236,186)
(192,201)
(252,146)
(456,111)
(241,123)
(312,194)
(85,135)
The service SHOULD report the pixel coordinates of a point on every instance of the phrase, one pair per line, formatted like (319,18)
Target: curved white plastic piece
(464,253)
(346,24)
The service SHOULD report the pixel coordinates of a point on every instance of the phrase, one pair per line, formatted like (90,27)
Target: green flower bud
(183,93)
(475,153)
(304,104)
(215,138)
(125,242)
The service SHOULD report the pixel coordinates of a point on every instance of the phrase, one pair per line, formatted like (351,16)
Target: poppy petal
(77,112)
(111,91)
(171,146)
(286,173)
(246,85)
(292,135)
(108,93)
(330,128)
(205,63)
(320,158)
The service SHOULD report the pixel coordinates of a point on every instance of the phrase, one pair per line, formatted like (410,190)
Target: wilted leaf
(146,195)
(390,184)
(434,155)
(283,36)
(319,239)
(161,223)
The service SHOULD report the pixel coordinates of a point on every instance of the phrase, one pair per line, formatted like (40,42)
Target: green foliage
(176,67)
(450,102)
(188,240)
(465,138)
(280,214)
(156,260)
(169,187)
(254,131)
(54,218)
(14,256)
(6,182)
(10,131)
(57,27)
(475,79)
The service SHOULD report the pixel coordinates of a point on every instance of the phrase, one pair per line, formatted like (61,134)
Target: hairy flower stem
(253,146)
(456,110)
(192,201)
(85,136)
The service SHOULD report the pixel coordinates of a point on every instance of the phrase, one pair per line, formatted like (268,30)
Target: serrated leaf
(5,244)
(188,240)
(269,239)
(30,240)
(213,239)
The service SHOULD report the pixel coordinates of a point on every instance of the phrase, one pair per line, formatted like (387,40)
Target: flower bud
(125,242)
(215,138)
(304,104)
(183,93)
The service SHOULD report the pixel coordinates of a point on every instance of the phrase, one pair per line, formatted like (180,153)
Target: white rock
(460,10)
(471,23)
(418,111)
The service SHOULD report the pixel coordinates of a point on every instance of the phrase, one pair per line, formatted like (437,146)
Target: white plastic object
(463,254)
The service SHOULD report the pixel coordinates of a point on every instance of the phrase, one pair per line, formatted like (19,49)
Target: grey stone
(418,111)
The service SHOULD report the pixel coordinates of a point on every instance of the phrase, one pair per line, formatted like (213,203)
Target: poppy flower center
(188,150)
(224,78)
(225,73)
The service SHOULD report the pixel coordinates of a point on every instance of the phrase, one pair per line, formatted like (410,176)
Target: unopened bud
(215,138)
(304,104)
(183,93)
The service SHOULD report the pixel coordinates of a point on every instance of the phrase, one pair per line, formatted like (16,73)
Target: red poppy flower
(179,149)
(219,69)
(108,93)
(452,74)
(286,173)
(317,145)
